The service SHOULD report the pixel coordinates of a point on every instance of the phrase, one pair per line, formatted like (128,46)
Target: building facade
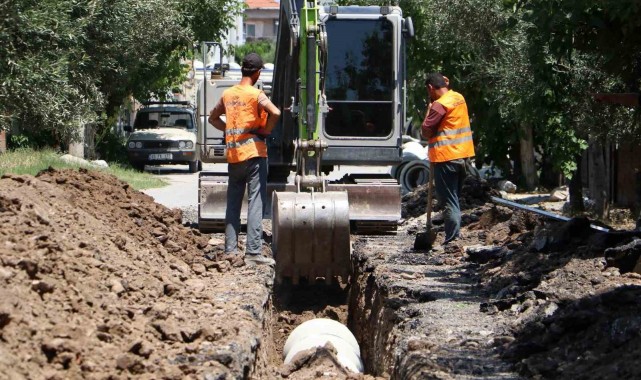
(261,20)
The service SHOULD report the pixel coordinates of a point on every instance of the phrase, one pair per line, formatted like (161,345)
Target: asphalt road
(182,191)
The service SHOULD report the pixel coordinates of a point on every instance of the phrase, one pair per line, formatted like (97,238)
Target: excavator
(339,78)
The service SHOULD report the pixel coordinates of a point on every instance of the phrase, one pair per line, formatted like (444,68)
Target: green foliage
(32,139)
(208,19)
(73,62)
(607,28)
(20,141)
(42,83)
(265,48)
(530,62)
(111,147)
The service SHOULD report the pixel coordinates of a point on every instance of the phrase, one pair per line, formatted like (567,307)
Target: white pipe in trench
(316,333)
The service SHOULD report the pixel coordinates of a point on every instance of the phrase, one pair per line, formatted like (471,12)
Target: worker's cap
(252,62)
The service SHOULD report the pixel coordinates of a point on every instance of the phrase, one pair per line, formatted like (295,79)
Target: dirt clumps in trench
(98,281)
(291,307)
(518,296)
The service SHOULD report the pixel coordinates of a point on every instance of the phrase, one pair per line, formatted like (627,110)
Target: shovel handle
(430,194)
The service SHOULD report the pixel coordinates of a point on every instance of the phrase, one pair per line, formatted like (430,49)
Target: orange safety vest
(242,119)
(453,139)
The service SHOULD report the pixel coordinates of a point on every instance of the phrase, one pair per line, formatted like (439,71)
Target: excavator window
(360,78)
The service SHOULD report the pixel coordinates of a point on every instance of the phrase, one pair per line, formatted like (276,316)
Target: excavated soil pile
(571,299)
(475,193)
(98,281)
(550,299)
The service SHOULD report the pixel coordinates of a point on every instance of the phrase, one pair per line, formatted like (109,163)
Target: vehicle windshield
(360,78)
(163,119)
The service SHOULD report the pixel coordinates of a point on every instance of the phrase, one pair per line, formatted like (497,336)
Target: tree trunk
(527,157)
(576,188)
(550,177)
(89,141)
(515,160)
(599,178)
(637,199)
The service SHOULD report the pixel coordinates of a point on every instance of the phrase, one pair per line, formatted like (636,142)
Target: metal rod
(205,47)
(311,85)
(544,213)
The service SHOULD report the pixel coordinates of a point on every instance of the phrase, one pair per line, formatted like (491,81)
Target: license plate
(161,156)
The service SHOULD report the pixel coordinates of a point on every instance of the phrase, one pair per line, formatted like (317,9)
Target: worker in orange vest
(447,129)
(250,117)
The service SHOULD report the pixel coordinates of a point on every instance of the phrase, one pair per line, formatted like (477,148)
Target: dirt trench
(98,281)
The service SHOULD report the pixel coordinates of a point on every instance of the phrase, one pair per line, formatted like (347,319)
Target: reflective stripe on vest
(453,132)
(453,139)
(232,131)
(237,144)
(241,110)
(450,142)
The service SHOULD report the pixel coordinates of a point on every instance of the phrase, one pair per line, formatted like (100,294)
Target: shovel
(424,240)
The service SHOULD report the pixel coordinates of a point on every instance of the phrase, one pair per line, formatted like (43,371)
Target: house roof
(262,4)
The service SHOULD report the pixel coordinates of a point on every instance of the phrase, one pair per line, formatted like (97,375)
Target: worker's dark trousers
(448,179)
(250,175)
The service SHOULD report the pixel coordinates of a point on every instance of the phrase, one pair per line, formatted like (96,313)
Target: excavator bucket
(310,233)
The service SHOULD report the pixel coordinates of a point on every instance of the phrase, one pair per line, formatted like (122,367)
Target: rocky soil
(549,299)
(98,281)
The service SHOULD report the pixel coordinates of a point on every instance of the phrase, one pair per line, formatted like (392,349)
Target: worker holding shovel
(447,129)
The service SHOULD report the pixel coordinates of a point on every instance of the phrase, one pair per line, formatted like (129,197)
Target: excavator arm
(310,225)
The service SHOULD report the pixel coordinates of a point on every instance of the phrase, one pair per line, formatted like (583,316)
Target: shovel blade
(424,240)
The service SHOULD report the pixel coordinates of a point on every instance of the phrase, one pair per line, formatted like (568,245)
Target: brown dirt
(98,281)
(572,300)
(291,307)
(562,298)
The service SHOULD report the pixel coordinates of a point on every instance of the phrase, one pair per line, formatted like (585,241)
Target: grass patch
(136,179)
(28,161)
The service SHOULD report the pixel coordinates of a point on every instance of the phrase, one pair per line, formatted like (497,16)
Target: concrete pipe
(413,150)
(414,174)
(396,170)
(316,333)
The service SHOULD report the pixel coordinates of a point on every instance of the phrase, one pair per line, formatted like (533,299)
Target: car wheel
(139,167)
(193,166)
(200,166)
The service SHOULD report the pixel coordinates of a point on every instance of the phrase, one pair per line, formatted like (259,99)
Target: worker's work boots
(254,260)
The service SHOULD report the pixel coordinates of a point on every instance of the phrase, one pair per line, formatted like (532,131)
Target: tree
(43,85)
(73,62)
(597,45)
(523,95)
(265,48)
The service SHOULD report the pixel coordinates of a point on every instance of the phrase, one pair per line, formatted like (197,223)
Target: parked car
(164,133)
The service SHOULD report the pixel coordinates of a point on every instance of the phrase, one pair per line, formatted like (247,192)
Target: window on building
(250,31)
